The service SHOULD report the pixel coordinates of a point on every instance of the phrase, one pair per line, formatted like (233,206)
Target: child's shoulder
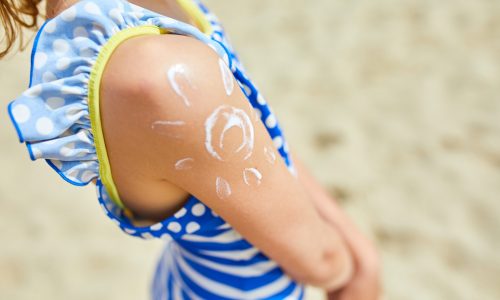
(70,51)
(141,67)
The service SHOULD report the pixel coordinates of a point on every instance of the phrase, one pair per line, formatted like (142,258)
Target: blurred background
(394,106)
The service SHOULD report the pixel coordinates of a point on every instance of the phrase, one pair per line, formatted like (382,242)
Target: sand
(395,107)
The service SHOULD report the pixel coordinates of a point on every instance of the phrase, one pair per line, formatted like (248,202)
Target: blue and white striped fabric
(204,257)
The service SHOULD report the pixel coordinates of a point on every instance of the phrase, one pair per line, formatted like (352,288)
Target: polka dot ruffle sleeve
(52,115)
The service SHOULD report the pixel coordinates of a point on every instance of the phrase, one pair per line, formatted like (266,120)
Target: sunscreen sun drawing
(223,119)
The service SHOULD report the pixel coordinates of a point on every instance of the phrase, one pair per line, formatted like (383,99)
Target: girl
(148,100)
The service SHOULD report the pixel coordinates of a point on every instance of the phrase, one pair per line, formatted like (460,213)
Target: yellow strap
(95,81)
(93,101)
(193,10)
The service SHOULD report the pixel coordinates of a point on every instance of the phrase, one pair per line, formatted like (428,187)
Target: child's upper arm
(172,106)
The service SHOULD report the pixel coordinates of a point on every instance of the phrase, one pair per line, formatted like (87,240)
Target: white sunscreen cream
(230,117)
(252,176)
(173,74)
(227,77)
(270,156)
(184,164)
(165,127)
(222,188)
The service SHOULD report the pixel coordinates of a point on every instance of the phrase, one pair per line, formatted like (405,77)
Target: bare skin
(141,159)
(365,283)
(143,165)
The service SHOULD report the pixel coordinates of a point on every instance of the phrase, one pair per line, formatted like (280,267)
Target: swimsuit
(58,119)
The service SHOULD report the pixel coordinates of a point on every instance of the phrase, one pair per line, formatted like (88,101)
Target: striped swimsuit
(58,119)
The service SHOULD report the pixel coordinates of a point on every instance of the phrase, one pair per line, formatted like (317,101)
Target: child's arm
(365,283)
(164,102)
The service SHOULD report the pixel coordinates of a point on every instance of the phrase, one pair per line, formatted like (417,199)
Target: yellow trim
(193,10)
(93,101)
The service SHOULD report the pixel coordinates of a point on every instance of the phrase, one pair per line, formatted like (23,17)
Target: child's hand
(365,283)
(363,286)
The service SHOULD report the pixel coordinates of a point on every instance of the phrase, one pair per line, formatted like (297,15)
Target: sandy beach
(394,106)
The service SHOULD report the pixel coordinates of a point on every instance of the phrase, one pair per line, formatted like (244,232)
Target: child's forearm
(360,247)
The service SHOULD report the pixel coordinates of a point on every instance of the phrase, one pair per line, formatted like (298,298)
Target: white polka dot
(73,113)
(166,237)
(261,100)
(55,102)
(174,226)
(92,8)
(88,165)
(69,14)
(37,153)
(156,226)
(60,46)
(87,176)
(40,59)
(48,77)
(50,26)
(180,213)
(83,137)
(245,88)
(21,113)
(79,41)
(67,150)
(78,70)
(115,29)
(44,126)
(62,63)
(81,153)
(192,227)
(147,235)
(70,90)
(271,121)
(86,52)
(33,91)
(278,142)
(214,214)
(198,209)
(110,206)
(138,14)
(129,231)
(116,15)
(71,174)
(224,226)
(80,32)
